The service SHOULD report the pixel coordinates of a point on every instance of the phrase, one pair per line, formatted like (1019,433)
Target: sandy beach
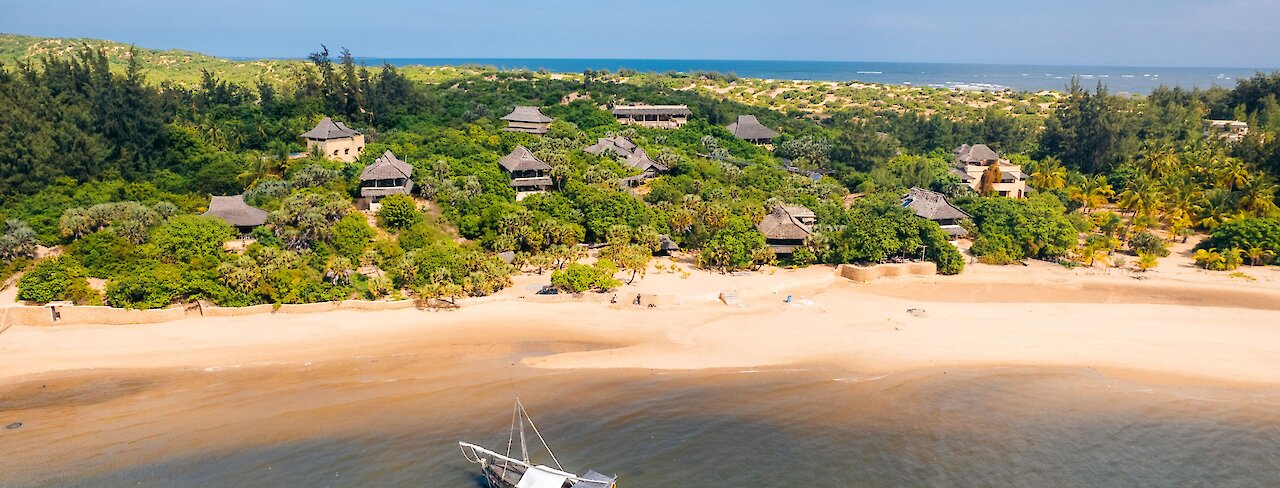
(1176,323)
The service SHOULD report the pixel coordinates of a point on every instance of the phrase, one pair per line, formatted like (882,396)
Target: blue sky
(1211,33)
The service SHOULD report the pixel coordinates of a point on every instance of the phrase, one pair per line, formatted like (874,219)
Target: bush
(579,278)
(188,238)
(1258,238)
(398,212)
(1214,260)
(54,280)
(352,236)
(1148,243)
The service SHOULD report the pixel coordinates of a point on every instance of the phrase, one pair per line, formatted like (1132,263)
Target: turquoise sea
(965,76)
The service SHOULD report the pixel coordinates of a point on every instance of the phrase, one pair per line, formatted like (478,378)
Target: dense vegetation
(113,164)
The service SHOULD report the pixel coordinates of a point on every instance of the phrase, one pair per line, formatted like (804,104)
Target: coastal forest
(106,165)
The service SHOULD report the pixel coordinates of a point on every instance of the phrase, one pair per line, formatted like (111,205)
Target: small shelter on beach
(751,130)
(654,116)
(334,140)
(934,206)
(618,145)
(388,175)
(785,228)
(971,163)
(529,120)
(666,245)
(528,173)
(236,212)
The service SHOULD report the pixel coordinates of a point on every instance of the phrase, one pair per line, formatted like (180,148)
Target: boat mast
(524,447)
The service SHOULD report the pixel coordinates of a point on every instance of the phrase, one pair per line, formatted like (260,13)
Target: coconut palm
(1049,174)
(1258,196)
(1142,197)
(1214,208)
(1092,192)
(1259,255)
(1232,172)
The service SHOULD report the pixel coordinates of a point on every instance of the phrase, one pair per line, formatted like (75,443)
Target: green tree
(398,212)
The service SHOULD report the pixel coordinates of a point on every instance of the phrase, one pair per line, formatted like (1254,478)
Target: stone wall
(864,274)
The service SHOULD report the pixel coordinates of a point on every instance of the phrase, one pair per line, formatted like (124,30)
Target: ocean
(396,420)
(1138,80)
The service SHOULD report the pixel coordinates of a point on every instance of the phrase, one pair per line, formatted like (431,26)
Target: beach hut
(751,130)
(529,120)
(784,231)
(618,145)
(388,175)
(655,116)
(334,140)
(528,173)
(971,163)
(236,212)
(934,206)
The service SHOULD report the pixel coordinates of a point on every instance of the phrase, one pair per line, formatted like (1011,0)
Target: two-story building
(529,120)
(655,116)
(334,140)
(528,173)
(388,175)
(972,163)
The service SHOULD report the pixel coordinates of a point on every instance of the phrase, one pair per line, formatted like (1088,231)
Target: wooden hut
(236,212)
(655,116)
(334,140)
(528,173)
(783,231)
(751,130)
(388,175)
(934,206)
(528,120)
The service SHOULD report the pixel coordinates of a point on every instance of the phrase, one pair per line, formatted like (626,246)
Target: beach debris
(13,426)
(916,312)
(730,297)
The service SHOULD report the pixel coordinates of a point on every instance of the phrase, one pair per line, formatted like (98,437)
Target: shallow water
(395,421)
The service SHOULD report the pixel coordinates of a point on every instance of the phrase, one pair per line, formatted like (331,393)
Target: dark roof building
(657,116)
(751,130)
(327,129)
(619,145)
(388,175)
(641,161)
(528,173)
(934,206)
(528,120)
(784,232)
(236,212)
(976,154)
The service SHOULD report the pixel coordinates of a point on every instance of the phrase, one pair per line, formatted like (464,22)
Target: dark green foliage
(398,212)
(352,236)
(1089,131)
(191,239)
(1010,229)
(1148,243)
(579,278)
(877,229)
(1257,238)
(738,245)
(56,280)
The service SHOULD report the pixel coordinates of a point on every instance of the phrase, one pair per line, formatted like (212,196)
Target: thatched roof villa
(334,140)
(751,130)
(388,175)
(618,145)
(934,206)
(655,116)
(529,120)
(528,173)
(236,212)
(787,227)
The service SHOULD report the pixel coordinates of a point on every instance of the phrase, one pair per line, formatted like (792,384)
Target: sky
(1199,33)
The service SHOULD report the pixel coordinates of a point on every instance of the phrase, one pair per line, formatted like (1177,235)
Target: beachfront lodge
(786,228)
(334,140)
(653,116)
(934,206)
(528,173)
(618,145)
(233,210)
(388,175)
(1227,130)
(528,120)
(971,163)
(751,130)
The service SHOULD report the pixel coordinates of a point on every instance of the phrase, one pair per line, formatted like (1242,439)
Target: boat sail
(505,471)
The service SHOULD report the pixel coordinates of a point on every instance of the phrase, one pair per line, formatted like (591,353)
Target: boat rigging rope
(539,434)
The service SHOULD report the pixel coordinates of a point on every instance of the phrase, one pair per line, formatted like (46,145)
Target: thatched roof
(780,224)
(236,212)
(387,167)
(619,145)
(328,129)
(750,129)
(641,161)
(931,205)
(800,212)
(527,114)
(976,154)
(631,110)
(521,159)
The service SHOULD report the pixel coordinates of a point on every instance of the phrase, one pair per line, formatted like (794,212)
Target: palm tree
(1049,175)
(1141,197)
(1091,192)
(1233,172)
(1214,208)
(1258,195)
(1259,255)
(1160,161)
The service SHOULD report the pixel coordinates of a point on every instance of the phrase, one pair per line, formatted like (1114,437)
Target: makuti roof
(975,154)
(527,114)
(641,161)
(780,224)
(328,129)
(236,212)
(748,128)
(619,145)
(931,205)
(522,160)
(387,167)
(651,110)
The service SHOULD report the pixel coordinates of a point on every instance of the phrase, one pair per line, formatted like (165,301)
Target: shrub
(398,212)
(1258,238)
(352,236)
(578,278)
(1214,260)
(53,280)
(1148,243)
